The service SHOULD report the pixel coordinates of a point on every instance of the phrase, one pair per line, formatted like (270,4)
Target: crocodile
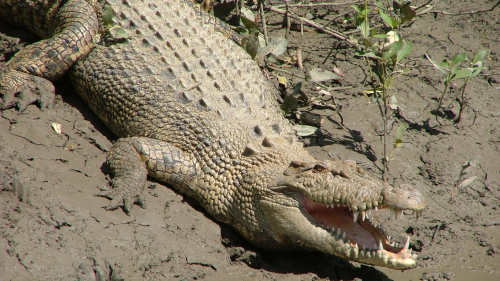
(193,110)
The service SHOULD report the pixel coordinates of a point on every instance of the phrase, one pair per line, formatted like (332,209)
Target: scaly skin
(193,110)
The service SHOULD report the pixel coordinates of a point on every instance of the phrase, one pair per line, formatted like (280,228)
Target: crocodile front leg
(70,28)
(132,159)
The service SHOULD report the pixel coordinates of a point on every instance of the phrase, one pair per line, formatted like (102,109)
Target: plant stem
(462,102)
(441,99)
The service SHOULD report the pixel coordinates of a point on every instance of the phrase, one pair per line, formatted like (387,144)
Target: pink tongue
(341,218)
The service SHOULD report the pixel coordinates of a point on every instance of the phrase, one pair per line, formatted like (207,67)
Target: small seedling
(383,61)
(452,71)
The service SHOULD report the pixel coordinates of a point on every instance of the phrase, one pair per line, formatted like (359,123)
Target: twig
(329,53)
(263,19)
(202,264)
(423,5)
(319,4)
(326,30)
(287,20)
(336,17)
(299,58)
(435,232)
(459,14)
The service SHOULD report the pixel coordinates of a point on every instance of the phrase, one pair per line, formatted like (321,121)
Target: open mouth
(357,229)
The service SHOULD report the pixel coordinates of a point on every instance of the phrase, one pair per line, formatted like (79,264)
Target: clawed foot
(121,198)
(22,89)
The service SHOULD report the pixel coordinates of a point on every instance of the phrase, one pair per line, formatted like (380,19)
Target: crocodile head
(325,206)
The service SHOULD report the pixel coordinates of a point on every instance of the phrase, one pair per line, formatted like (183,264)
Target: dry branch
(319,4)
(459,14)
(326,30)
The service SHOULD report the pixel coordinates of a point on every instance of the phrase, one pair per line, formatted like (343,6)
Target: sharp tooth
(376,247)
(411,250)
(392,244)
(355,216)
(398,214)
(380,245)
(339,231)
(405,254)
(333,229)
(343,235)
(389,238)
(419,214)
(376,208)
(407,242)
(356,246)
(327,228)
(363,216)
(364,248)
(331,206)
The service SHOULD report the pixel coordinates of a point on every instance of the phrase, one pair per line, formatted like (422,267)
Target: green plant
(114,33)
(383,61)
(452,71)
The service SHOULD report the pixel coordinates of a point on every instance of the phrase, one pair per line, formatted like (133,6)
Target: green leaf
(467,182)
(282,80)
(401,130)
(476,69)
(250,25)
(107,15)
(276,46)
(380,35)
(462,73)
(440,68)
(273,59)
(280,47)
(445,63)
(355,7)
(390,21)
(290,102)
(458,58)
(405,50)
(242,30)
(118,33)
(395,5)
(392,50)
(251,45)
(305,130)
(364,27)
(367,54)
(398,143)
(247,13)
(408,13)
(296,88)
(319,75)
(479,56)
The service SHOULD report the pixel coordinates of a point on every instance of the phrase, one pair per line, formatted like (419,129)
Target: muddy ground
(53,228)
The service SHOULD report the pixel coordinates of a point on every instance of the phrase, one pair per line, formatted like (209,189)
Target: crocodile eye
(319,167)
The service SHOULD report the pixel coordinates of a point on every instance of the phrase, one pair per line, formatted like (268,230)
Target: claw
(22,89)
